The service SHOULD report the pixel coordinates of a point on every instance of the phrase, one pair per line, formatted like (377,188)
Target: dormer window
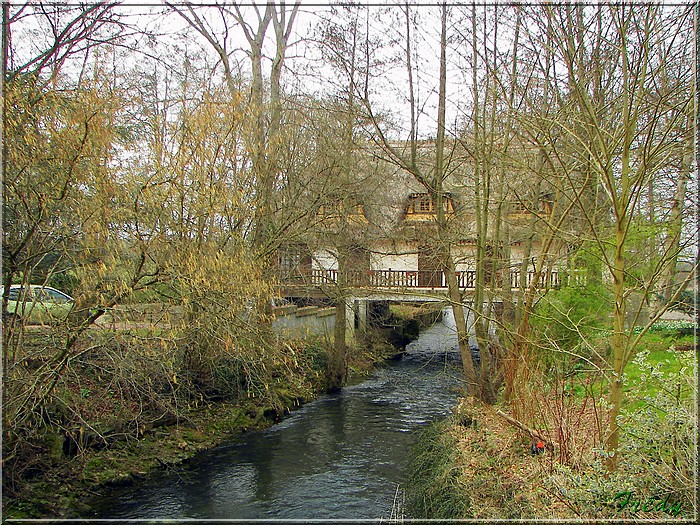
(426,204)
(421,206)
(333,210)
(525,205)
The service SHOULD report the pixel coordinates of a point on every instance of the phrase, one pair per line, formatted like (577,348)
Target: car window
(16,293)
(56,296)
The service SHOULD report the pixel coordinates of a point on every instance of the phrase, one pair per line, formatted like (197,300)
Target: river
(342,456)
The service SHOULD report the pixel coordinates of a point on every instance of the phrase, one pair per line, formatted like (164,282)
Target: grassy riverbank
(126,405)
(478,464)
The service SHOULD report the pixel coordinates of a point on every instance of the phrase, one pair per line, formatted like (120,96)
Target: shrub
(568,313)
(656,470)
(565,319)
(687,303)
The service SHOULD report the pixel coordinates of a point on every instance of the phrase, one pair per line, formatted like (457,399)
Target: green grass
(433,489)
(667,348)
(661,354)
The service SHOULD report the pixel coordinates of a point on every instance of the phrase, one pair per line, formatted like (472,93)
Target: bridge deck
(407,281)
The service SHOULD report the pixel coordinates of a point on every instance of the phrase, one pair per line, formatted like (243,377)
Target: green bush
(316,353)
(565,317)
(661,435)
(687,303)
(65,281)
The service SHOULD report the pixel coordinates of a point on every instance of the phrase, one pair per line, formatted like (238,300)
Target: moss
(65,482)
(54,443)
(194,435)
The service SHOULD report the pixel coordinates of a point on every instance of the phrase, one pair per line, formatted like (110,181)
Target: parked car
(37,304)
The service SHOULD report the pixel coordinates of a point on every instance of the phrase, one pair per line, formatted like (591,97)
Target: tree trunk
(675,225)
(619,348)
(337,366)
(447,262)
(470,375)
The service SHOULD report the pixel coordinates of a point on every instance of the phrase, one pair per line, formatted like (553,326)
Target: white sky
(302,74)
(305,72)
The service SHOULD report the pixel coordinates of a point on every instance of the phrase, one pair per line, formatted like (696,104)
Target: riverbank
(59,489)
(479,463)
(69,462)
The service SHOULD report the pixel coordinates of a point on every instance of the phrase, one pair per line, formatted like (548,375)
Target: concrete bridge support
(356,316)
(349,320)
(361,309)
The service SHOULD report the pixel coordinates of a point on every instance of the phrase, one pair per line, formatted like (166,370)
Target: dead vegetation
(480,463)
(503,476)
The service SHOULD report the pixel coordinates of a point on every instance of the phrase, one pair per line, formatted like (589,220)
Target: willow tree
(59,132)
(49,142)
(518,197)
(189,210)
(486,138)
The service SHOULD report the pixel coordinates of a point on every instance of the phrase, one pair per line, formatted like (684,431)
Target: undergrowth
(478,465)
(434,489)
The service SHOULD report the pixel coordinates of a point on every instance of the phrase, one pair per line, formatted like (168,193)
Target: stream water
(342,456)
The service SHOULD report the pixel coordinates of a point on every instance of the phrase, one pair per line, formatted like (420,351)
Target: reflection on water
(341,456)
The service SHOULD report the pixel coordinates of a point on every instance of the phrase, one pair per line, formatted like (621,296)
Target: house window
(293,260)
(425,205)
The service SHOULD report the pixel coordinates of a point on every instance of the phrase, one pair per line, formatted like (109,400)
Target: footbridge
(402,285)
(358,288)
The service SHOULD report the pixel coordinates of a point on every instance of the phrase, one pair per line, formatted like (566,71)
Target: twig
(531,431)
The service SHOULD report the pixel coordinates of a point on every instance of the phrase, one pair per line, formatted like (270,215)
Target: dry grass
(505,480)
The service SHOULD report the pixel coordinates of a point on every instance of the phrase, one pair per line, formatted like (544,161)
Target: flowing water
(342,456)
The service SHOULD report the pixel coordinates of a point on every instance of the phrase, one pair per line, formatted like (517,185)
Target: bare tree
(432,176)
(348,177)
(628,113)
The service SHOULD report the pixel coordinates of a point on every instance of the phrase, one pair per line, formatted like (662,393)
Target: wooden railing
(397,279)
(548,279)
